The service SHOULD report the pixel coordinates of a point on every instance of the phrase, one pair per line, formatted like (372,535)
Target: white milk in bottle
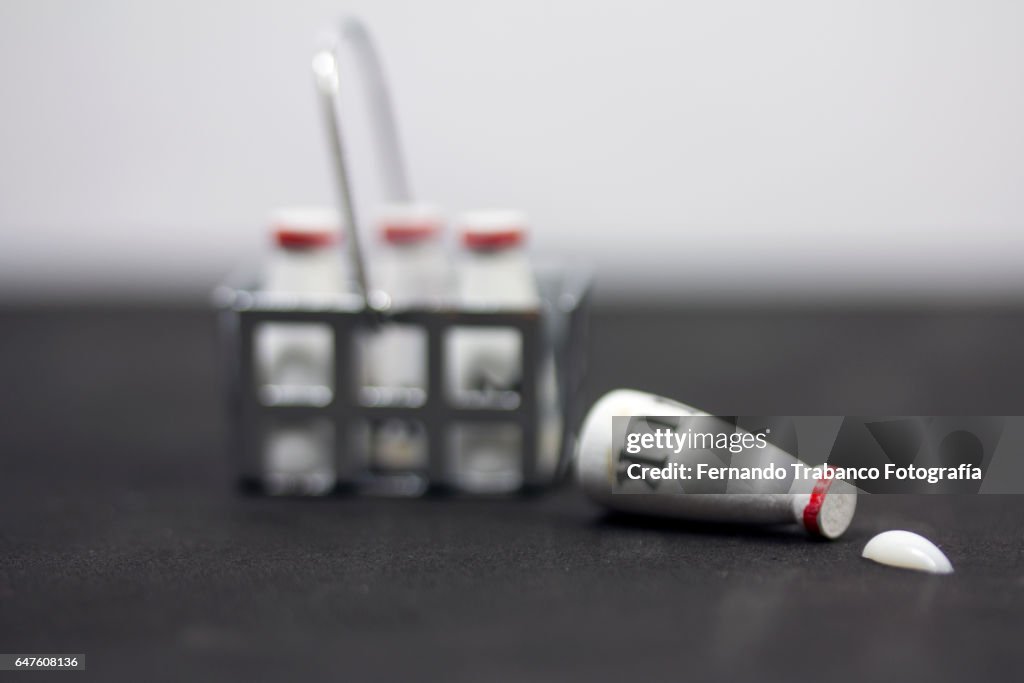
(295,361)
(410,270)
(485,364)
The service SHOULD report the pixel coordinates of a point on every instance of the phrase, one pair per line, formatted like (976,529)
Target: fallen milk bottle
(612,472)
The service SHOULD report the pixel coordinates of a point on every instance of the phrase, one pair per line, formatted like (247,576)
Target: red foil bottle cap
(493,229)
(409,223)
(306,227)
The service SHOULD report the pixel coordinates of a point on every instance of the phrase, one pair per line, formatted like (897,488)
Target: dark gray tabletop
(121,536)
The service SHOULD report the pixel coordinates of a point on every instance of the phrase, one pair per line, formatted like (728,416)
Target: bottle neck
(497,277)
(413,272)
(308,270)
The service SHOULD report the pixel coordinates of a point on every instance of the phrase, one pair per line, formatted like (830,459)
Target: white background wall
(688,148)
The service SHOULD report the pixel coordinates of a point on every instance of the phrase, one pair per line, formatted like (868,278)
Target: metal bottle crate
(558,328)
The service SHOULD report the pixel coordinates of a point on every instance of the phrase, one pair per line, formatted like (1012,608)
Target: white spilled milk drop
(907,550)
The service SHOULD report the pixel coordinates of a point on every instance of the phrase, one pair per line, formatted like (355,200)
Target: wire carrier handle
(326,77)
